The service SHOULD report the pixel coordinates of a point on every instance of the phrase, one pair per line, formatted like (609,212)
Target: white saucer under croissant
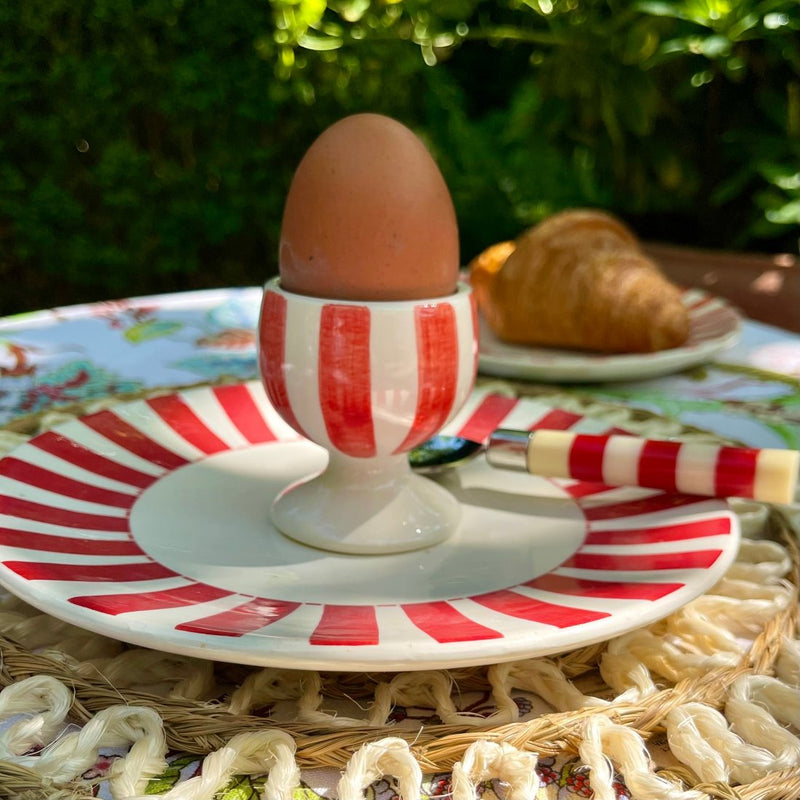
(149,523)
(714,326)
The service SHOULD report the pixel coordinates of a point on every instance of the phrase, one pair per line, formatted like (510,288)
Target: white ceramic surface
(150,523)
(368,381)
(714,326)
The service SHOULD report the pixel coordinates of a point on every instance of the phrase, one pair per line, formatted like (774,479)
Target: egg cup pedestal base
(374,506)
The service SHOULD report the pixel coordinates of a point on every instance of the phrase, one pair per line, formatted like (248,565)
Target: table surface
(53,359)
(765,286)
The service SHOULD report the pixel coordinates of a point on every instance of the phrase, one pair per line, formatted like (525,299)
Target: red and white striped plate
(150,523)
(714,326)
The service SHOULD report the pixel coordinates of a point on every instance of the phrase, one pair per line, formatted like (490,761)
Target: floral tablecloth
(751,393)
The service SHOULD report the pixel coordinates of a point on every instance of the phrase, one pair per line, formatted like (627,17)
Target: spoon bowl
(441,453)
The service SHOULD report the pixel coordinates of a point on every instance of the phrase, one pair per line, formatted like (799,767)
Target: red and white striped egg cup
(368,381)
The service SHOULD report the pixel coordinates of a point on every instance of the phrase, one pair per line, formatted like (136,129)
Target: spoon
(697,468)
(441,453)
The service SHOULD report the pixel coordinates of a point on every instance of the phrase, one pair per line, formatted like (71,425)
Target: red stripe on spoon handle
(688,467)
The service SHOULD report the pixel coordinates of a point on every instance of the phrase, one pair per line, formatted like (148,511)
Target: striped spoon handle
(620,460)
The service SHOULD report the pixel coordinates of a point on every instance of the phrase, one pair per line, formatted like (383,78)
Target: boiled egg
(368,216)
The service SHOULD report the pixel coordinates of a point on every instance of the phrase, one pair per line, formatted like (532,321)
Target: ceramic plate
(714,326)
(150,523)
(73,354)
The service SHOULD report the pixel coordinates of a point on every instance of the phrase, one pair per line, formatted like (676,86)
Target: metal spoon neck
(508,449)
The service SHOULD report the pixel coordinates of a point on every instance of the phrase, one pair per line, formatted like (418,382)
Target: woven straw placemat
(703,704)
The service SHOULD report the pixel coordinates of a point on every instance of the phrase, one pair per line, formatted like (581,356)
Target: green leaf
(715,46)
(661,9)
(787,214)
(319,43)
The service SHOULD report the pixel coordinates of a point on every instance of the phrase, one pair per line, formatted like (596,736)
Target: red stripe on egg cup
(437,371)
(345,384)
(271,356)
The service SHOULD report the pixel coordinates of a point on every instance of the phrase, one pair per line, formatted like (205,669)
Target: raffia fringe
(730,726)
(730,717)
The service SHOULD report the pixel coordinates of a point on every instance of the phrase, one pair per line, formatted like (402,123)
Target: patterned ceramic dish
(149,523)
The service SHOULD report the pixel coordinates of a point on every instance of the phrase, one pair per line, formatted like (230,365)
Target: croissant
(578,280)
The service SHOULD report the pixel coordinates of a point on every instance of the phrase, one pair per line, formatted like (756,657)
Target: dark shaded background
(147,147)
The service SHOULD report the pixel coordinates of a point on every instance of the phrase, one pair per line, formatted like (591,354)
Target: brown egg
(369,217)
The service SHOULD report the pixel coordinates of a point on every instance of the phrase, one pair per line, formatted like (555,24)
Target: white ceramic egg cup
(368,381)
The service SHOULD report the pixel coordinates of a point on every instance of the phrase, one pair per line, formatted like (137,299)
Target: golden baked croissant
(578,280)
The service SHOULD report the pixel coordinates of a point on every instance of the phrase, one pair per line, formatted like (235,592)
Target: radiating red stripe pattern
(631,562)
(651,504)
(174,410)
(345,390)
(243,619)
(346,626)
(678,532)
(557,419)
(437,371)
(445,624)
(126,436)
(65,517)
(531,609)
(100,549)
(240,407)
(615,590)
(124,603)
(584,489)
(50,481)
(69,450)
(94,573)
(74,545)
(491,411)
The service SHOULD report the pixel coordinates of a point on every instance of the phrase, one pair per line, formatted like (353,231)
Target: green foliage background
(147,145)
